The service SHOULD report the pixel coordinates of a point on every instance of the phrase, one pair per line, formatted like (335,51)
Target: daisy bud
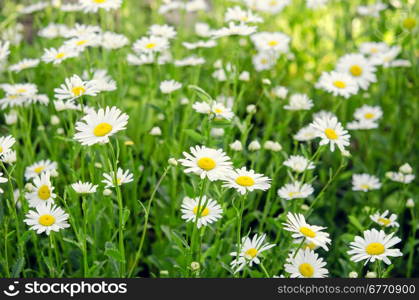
(410,203)
(273,146)
(244,76)
(155,131)
(371,275)
(53,173)
(305,207)
(55,120)
(29,187)
(254,146)
(353,274)
(218,64)
(266,81)
(280,91)
(140,168)
(60,130)
(172,161)
(236,146)
(217,132)
(107,192)
(164,272)
(184,101)
(406,169)
(129,143)
(195,266)
(41,128)
(98,165)
(251,109)
(10,118)
(161,117)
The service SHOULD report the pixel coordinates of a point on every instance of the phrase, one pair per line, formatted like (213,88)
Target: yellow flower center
(252,252)
(384,221)
(273,3)
(409,23)
(272,43)
(102,129)
(46,220)
(310,246)
(293,194)
(59,55)
(44,192)
(99,1)
(21,91)
(81,43)
(355,70)
(245,181)
(204,212)
(373,50)
(263,61)
(307,232)
(78,90)
(369,115)
(150,45)
(375,249)
(339,84)
(306,270)
(118,181)
(331,134)
(1,149)
(39,169)
(365,186)
(218,110)
(206,163)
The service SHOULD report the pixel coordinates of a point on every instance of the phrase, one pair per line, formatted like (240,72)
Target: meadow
(152,138)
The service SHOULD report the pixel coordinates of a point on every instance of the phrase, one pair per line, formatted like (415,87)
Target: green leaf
(18,267)
(354,221)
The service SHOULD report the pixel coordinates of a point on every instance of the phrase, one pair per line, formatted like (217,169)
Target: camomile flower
(373,48)
(169,86)
(400,177)
(374,245)
(164,31)
(221,111)
(305,264)
(372,10)
(359,68)
(97,127)
(52,31)
(83,41)
(244,181)
(9,157)
(305,134)
(368,113)
(272,146)
(208,211)
(40,167)
(81,30)
(199,44)
(365,182)
(339,84)
(388,58)
(2,180)
(297,224)
(94,5)
(111,40)
(101,80)
(236,146)
(74,88)
(295,190)
(42,191)
(298,163)
(122,177)
(271,6)
(249,252)
(209,163)
(189,61)
(57,56)
(6,143)
(84,187)
(331,131)
(361,125)
(264,60)
(46,218)
(234,29)
(24,64)
(271,41)
(299,102)
(151,44)
(385,221)
(237,14)
(316,4)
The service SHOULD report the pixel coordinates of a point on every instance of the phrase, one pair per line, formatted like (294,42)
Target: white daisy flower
(237,14)
(306,264)
(249,252)
(385,221)
(46,218)
(234,29)
(56,56)
(74,88)
(270,6)
(388,58)
(244,181)
(365,182)
(122,177)
(271,41)
(298,163)
(25,63)
(199,44)
(375,245)
(9,157)
(361,125)
(151,44)
(101,80)
(339,84)
(189,61)
(297,224)
(83,41)
(295,190)
(400,177)
(207,162)
(97,127)
(169,86)
(6,143)
(316,4)
(299,102)
(305,134)
(359,68)
(40,167)
(373,48)
(42,191)
(164,31)
(372,10)
(331,131)
(2,180)
(368,113)
(221,111)
(264,60)
(84,187)
(111,40)
(94,5)
(79,30)
(209,211)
